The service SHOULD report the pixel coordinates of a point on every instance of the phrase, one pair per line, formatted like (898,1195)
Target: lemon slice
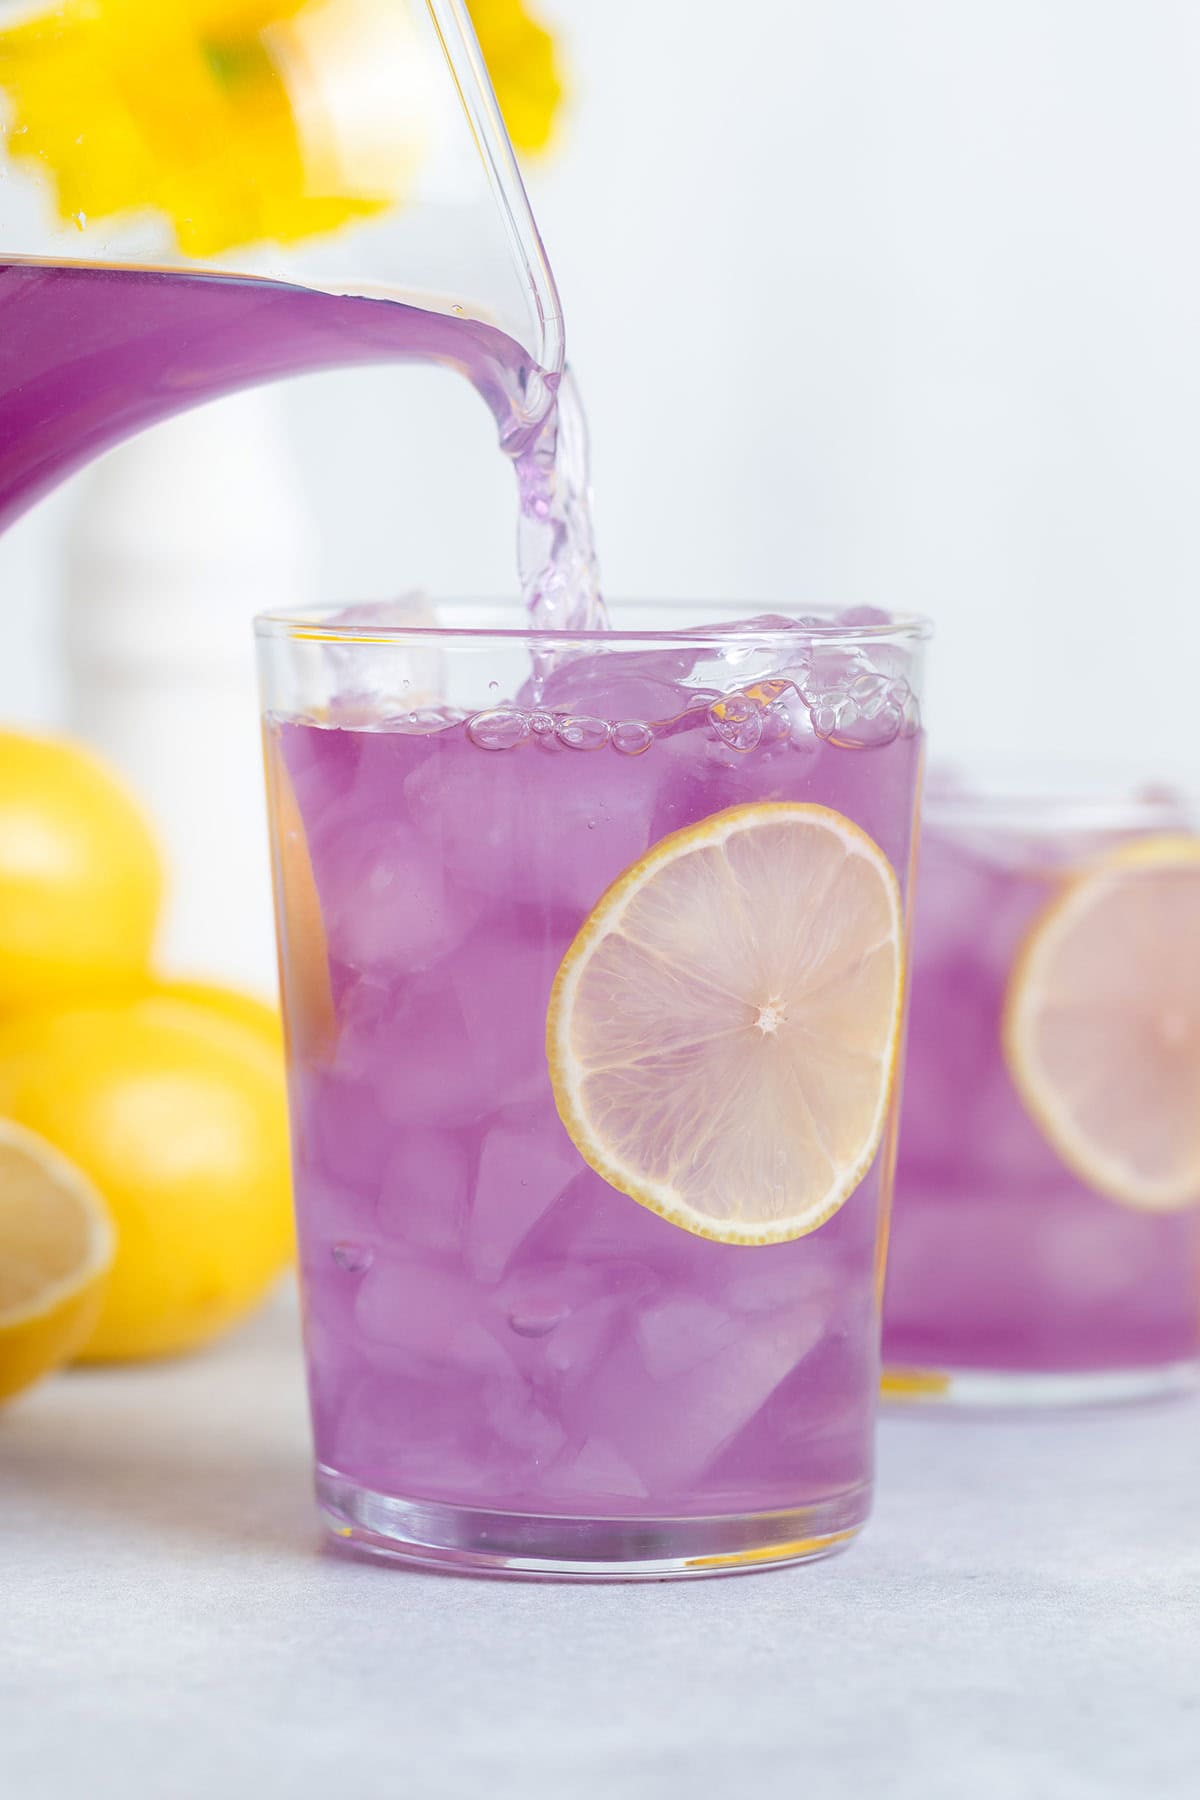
(56,1246)
(1102,1024)
(722,1033)
(310,1022)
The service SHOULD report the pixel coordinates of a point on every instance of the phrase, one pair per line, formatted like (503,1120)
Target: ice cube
(618,685)
(521,1424)
(540,1299)
(399,671)
(330,1213)
(502,979)
(582,1339)
(425,1189)
(526,1161)
(424,1312)
(593,1223)
(343,1137)
(784,1276)
(996,1138)
(540,825)
(322,766)
(596,1471)
(671,1428)
(385,900)
(408,1044)
(417,1433)
(681,1331)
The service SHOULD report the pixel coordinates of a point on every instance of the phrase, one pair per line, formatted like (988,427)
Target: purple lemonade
(1012,1275)
(512,1363)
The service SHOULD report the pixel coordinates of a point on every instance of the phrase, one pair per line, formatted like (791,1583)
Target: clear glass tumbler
(593,972)
(1045,1243)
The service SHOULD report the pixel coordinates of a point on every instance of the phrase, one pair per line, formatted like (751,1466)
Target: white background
(871,300)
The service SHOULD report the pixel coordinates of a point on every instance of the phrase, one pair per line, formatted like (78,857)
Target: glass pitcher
(203,197)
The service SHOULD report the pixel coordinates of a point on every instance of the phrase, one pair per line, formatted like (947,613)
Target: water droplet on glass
(631,737)
(501,729)
(458,310)
(354,1258)
(583,734)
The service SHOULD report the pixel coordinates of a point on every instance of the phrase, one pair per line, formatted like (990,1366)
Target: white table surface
(1021,1618)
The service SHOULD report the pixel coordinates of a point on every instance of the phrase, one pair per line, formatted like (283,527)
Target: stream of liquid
(91,354)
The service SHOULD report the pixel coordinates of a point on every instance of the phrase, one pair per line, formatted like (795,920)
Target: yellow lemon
(1102,1024)
(80,877)
(177,1117)
(229,1003)
(56,1248)
(722,1034)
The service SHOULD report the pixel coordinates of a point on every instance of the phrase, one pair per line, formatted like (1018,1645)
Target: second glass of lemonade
(1046,1238)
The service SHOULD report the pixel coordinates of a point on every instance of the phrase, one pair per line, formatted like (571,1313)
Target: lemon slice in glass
(1102,1024)
(56,1247)
(722,1033)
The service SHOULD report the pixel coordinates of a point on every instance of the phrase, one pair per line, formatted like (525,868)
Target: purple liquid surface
(488,1322)
(1000,1258)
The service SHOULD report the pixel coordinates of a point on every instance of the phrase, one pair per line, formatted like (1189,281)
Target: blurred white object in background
(178,538)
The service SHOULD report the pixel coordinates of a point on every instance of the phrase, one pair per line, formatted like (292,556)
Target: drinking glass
(591,955)
(1045,1244)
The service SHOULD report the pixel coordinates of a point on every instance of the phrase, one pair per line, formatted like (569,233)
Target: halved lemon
(56,1247)
(1102,1024)
(722,1033)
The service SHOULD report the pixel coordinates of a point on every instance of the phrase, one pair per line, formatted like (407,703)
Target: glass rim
(1021,796)
(824,625)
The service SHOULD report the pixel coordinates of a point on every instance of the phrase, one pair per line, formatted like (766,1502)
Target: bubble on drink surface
(501,729)
(737,720)
(583,733)
(631,737)
(355,1259)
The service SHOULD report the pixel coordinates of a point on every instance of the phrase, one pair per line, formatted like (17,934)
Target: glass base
(476,1541)
(1001,1388)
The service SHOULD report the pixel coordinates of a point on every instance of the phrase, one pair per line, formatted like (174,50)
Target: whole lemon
(230,1003)
(80,876)
(177,1117)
